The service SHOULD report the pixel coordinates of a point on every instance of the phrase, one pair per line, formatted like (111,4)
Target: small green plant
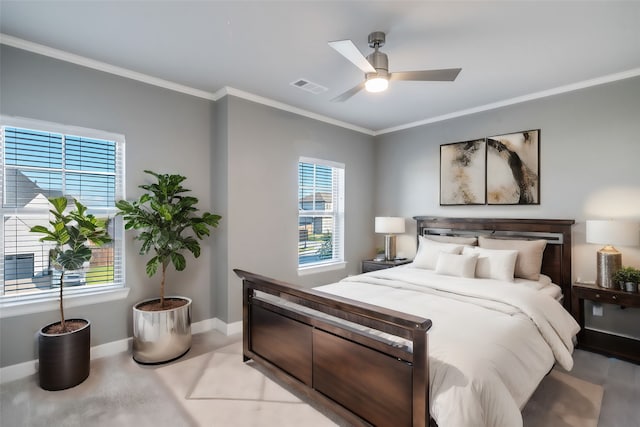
(627,274)
(620,276)
(169,224)
(71,233)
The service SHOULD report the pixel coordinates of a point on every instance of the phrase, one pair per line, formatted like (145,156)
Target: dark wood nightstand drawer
(608,296)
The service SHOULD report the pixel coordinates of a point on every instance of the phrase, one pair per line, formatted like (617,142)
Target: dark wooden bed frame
(361,377)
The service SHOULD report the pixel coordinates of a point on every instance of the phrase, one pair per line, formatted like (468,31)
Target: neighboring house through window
(320,213)
(41,160)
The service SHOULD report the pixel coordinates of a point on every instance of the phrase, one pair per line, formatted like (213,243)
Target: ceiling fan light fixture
(376,84)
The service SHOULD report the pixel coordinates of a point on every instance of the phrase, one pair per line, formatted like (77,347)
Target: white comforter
(490,345)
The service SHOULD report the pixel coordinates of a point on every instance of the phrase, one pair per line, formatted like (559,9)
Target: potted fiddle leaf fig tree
(64,346)
(169,224)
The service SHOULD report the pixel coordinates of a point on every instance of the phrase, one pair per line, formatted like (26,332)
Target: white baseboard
(25,369)
(229,328)
(17,371)
(205,326)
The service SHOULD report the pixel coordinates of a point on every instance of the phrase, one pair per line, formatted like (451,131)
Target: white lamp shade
(389,224)
(608,232)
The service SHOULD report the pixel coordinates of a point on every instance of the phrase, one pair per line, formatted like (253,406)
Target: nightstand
(373,265)
(600,342)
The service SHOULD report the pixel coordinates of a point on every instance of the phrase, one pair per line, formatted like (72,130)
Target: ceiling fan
(376,67)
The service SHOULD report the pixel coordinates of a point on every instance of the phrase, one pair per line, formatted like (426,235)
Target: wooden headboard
(556,262)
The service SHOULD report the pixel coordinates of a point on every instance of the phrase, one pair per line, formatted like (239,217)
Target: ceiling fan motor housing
(379,61)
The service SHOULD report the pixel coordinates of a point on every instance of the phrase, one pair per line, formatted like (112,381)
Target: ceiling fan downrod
(377,59)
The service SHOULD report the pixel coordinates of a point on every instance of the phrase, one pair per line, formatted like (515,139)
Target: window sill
(20,306)
(313,269)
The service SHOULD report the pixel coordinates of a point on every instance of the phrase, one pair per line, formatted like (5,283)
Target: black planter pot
(64,359)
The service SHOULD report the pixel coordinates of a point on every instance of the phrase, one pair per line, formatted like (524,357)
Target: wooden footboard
(362,377)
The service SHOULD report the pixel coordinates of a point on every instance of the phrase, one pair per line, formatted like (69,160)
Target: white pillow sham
(493,263)
(428,251)
(456,265)
(530,252)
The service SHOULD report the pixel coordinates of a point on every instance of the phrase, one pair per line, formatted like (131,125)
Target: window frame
(337,213)
(27,303)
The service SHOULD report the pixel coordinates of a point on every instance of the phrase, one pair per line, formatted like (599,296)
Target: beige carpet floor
(562,400)
(226,391)
(212,387)
(218,389)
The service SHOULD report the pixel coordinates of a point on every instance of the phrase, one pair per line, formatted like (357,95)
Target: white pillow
(530,254)
(428,252)
(494,263)
(456,265)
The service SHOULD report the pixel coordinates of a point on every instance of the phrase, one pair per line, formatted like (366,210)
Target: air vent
(304,84)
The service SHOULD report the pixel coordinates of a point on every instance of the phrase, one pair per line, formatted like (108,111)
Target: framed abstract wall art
(462,173)
(513,169)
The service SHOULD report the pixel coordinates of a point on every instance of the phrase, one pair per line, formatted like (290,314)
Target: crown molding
(134,75)
(517,100)
(145,78)
(101,66)
(299,111)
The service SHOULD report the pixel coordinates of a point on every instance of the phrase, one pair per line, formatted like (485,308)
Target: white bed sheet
(490,345)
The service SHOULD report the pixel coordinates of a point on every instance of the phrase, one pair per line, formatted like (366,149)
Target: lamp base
(609,261)
(389,247)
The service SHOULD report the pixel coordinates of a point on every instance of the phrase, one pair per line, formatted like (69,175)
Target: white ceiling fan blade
(347,49)
(348,94)
(445,75)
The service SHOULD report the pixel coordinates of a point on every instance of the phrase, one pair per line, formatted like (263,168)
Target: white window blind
(320,212)
(48,160)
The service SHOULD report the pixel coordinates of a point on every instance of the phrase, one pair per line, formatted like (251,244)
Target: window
(320,213)
(41,160)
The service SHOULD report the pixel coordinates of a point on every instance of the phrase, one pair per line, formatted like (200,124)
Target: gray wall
(590,148)
(241,162)
(264,145)
(220,185)
(240,159)
(165,131)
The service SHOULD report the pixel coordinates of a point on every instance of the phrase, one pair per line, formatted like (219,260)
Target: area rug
(564,401)
(218,389)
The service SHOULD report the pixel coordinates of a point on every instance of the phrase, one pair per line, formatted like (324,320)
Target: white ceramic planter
(161,336)
(630,287)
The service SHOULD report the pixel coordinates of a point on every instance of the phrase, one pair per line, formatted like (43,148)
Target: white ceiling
(508,50)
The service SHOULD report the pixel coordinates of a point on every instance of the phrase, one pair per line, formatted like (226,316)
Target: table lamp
(609,233)
(389,226)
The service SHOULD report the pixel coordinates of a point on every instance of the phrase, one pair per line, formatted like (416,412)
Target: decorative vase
(161,336)
(64,359)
